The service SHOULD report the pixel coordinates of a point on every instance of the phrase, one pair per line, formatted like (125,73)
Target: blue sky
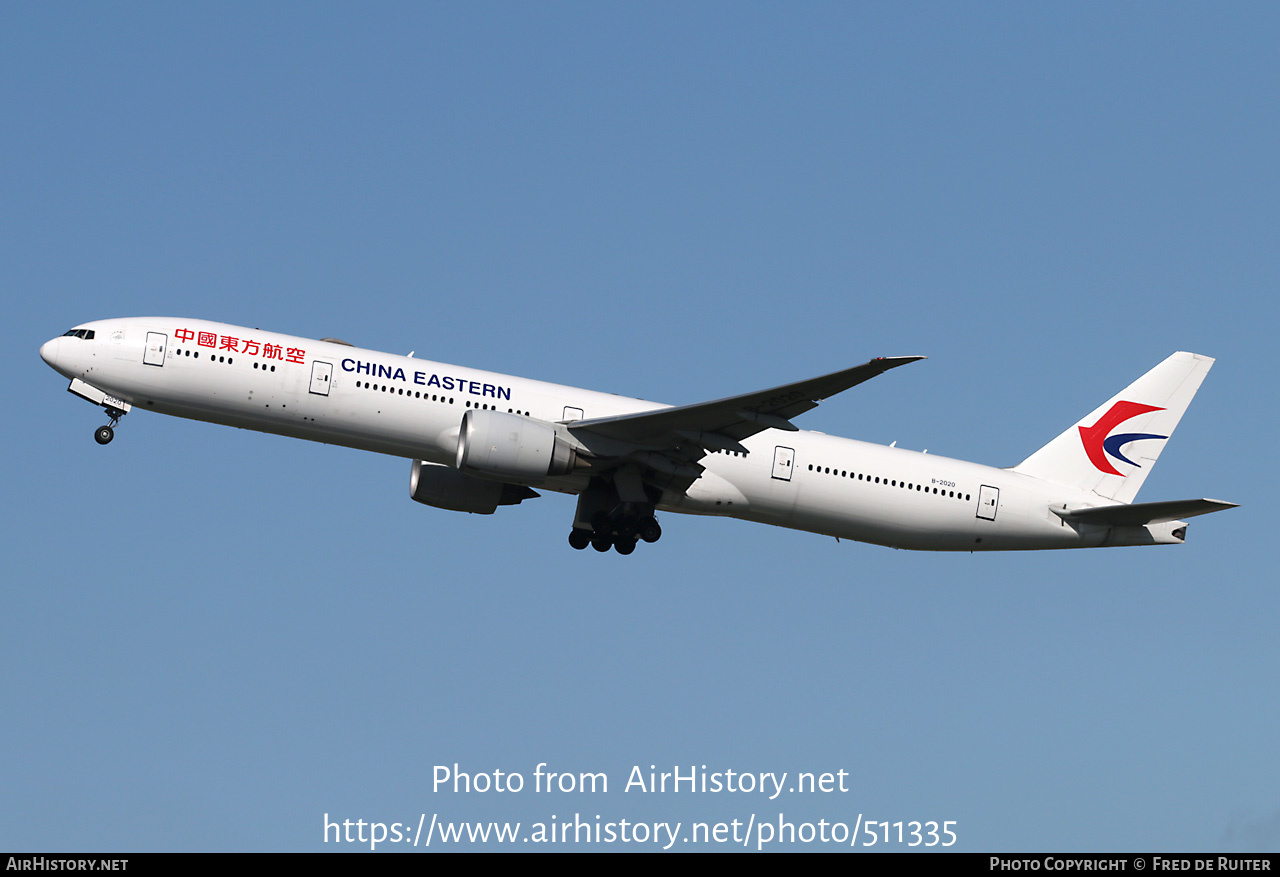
(216,637)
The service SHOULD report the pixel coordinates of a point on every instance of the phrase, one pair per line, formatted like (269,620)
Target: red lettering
(295,354)
(272,351)
(184,335)
(207,339)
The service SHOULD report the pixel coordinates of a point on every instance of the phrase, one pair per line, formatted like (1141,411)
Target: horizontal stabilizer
(1142,513)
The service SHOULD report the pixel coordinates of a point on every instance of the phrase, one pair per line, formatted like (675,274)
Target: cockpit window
(86,334)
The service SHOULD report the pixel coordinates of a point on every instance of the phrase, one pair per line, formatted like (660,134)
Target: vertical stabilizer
(1112,450)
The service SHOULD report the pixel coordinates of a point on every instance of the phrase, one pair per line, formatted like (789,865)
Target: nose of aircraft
(49,351)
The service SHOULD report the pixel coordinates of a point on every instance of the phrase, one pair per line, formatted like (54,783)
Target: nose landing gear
(104,434)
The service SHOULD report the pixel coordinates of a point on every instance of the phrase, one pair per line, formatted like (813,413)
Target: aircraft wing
(723,423)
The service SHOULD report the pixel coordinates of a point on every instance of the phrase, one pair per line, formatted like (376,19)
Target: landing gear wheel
(579,539)
(649,530)
(104,434)
(601,543)
(627,530)
(624,546)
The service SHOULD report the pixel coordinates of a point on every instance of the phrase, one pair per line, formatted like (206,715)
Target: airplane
(479,440)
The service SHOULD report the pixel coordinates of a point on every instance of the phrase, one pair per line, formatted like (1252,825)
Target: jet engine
(435,485)
(511,447)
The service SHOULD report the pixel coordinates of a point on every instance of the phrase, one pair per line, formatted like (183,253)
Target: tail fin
(1112,450)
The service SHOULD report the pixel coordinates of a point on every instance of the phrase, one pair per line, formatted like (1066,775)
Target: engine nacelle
(435,485)
(512,448)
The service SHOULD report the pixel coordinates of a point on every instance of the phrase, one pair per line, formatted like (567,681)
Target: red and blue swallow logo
(1098,442)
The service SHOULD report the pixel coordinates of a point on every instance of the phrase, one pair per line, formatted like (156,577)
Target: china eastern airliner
(479,440)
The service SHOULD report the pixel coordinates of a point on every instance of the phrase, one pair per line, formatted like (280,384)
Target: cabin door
(321,375)
(783,460)
(988,500)
(154,353)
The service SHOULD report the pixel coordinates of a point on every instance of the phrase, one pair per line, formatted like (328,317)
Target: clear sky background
(214,637)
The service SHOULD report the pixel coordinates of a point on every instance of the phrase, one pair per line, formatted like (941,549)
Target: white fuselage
(411,408)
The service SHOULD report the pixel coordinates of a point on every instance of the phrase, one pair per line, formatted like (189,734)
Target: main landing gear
(621,533)
(104,434)
(615,511)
